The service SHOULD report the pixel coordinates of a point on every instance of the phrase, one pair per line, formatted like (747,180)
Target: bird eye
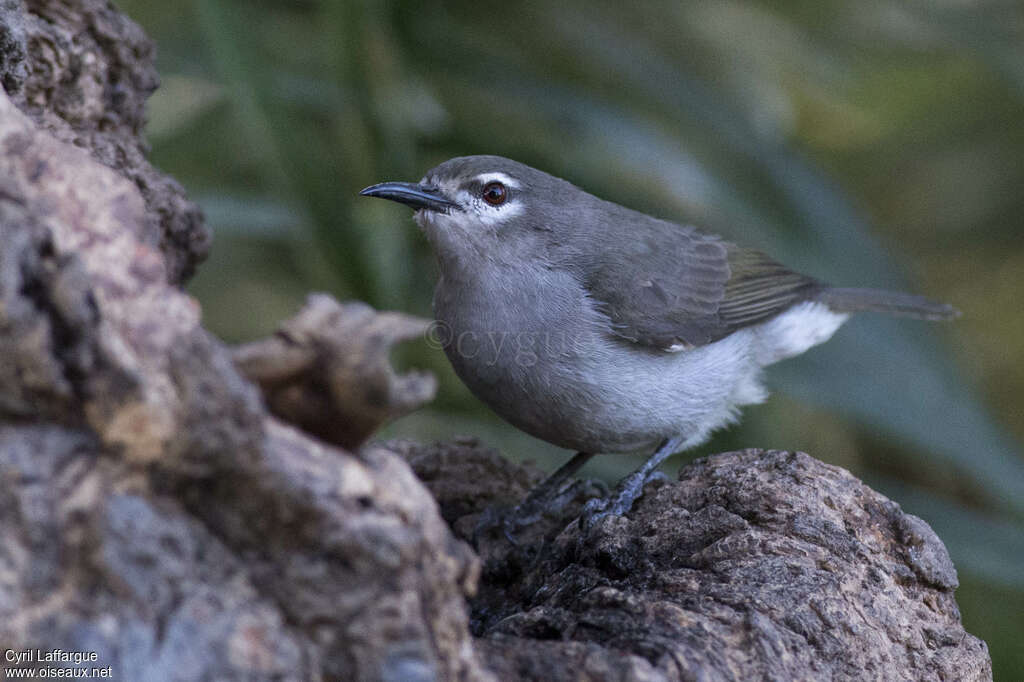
(495,193)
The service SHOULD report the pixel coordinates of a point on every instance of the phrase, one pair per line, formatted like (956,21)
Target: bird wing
(673,286)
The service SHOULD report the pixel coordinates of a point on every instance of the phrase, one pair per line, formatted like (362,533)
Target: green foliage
(861,142)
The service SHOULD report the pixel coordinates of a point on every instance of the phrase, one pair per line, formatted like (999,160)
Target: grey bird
(605,330)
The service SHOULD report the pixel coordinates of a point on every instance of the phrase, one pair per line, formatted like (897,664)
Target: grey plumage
(603,329)
(890,302)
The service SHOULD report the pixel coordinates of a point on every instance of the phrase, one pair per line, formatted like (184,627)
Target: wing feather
(673,285)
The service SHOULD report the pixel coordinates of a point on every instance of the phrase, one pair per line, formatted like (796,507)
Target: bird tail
(891,302)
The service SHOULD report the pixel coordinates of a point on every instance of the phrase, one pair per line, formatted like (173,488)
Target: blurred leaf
(223,34)
(252,216)
(886,374)
(178,102)
(992,30)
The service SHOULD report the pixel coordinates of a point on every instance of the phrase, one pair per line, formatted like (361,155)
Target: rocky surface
(151,509)
(327,370)
(82,71)
(753,565)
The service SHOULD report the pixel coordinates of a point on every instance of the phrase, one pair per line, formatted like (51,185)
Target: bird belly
(573,384)
(641,396)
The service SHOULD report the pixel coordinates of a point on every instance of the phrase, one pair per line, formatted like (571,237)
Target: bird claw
(619,503)
(531,510)
(493,518)
(593,511)
(659,476)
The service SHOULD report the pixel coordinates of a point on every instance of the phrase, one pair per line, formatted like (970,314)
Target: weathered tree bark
(157,509)
(753,565)
(150,508)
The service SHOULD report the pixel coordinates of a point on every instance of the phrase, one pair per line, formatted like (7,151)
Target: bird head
(487,207)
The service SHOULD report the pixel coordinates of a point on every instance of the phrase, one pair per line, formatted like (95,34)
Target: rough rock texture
(151,510)
(82,71)
(327,370)
(154,512)
(753,565)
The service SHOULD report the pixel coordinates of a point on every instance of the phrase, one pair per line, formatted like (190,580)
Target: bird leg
(631,487)
(544,498)
(538,500)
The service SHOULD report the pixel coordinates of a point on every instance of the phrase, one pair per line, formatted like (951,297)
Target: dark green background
(876,143)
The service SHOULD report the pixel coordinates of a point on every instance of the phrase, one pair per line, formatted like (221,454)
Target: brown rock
(153,512)
(82,71)
(327,370)
(753,565)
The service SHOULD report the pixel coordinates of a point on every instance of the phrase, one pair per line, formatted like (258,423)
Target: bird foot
(493,519)
(627,492)
(512,522)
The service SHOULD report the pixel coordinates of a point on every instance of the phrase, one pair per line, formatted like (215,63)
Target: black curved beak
(411,194)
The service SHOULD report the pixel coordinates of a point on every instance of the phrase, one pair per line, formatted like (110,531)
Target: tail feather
(892,302)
